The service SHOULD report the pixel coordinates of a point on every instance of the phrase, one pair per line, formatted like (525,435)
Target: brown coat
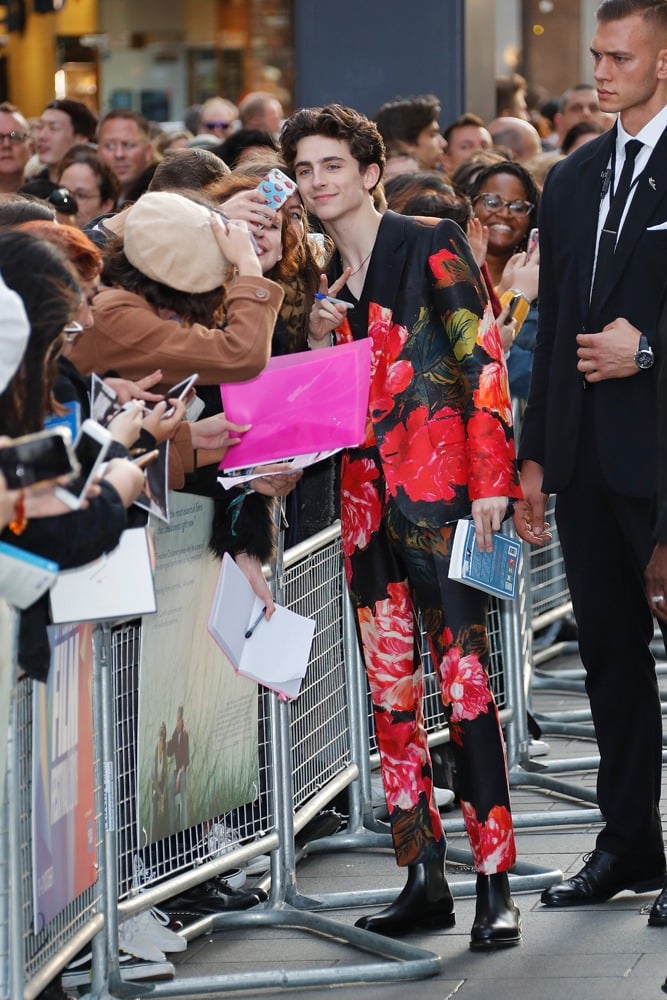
(128,337)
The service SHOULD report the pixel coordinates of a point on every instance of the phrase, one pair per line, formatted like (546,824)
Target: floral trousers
(394,567)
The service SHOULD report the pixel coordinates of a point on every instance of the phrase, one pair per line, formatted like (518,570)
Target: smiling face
(332,184)
(506,228)
(630,60)
(269,240)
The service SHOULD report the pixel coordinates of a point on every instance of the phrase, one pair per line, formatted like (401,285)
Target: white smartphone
(91,445)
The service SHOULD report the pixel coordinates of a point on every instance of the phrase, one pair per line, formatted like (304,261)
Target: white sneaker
(133,939)
(538,748)
(220,840)
(152,929)
(443,797)
(79,971)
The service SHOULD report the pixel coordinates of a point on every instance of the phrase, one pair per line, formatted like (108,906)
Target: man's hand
(655,576)
(529,520)
(487,514)
(610,353)
(325,316)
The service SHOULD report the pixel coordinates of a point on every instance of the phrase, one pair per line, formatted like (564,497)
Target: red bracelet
(20,522)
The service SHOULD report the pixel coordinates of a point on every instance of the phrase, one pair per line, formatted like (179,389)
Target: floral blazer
(440,411)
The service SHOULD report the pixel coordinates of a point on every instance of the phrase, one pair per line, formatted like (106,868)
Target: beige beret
(169,238)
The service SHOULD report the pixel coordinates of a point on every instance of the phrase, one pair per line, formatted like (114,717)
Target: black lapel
(383,280)
(590,179)
(650,192)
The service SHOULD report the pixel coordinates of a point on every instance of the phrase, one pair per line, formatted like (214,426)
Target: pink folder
(301,403)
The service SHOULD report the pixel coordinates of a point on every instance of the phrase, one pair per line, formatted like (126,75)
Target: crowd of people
(476,257)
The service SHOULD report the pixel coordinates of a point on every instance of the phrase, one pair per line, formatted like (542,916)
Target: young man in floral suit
(438,447)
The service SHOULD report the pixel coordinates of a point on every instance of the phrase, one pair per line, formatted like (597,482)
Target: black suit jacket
(625,409)
(661,500)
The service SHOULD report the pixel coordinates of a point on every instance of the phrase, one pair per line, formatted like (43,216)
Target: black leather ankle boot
(425,902)
(497,921)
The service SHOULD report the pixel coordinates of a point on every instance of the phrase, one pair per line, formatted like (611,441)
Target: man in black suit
(589,432)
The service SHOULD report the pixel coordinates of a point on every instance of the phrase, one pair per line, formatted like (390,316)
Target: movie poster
(63,790)
(197,734)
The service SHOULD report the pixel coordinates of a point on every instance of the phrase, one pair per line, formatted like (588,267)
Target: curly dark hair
(50,303)
(199,307)
(335,122)
(403,119)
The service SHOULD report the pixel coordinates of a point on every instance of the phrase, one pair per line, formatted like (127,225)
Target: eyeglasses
(63,202)
(221,125)
(14,137)
(72,330)
(495,203)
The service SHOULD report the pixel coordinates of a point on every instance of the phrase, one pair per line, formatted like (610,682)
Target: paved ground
(606,952)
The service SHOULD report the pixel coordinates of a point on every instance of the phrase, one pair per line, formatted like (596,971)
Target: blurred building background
(160,56)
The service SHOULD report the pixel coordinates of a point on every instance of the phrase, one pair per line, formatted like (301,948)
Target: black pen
(255,623)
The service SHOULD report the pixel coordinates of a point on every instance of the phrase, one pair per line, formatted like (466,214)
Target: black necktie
(609,233)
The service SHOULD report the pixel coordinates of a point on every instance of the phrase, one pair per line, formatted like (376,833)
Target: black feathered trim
(243,524)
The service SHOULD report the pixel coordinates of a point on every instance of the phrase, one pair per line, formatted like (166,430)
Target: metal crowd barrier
(311,751)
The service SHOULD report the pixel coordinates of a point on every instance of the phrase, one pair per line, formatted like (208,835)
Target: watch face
(644,359)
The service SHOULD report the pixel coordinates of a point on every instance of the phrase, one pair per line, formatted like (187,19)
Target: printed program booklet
(24,576)
(494,572)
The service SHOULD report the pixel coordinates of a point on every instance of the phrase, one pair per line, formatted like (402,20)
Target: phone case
(277,187)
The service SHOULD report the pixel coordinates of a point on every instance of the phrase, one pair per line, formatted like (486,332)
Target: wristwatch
(644,356)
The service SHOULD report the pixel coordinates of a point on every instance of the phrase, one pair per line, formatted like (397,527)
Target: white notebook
(117,585)
(276,653)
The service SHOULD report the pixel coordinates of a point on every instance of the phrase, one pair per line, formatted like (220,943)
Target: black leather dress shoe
(497,921)
(424,903)
(602,876)
(658,915)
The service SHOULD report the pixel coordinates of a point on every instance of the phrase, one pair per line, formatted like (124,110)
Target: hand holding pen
(328,312)
(251,628)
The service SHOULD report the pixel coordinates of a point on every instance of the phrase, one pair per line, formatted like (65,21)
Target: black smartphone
(38,458)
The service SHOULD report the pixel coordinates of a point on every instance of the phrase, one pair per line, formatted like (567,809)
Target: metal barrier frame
(400,961)
(97,918)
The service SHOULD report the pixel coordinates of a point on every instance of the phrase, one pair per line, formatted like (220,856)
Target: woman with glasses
(505,199)
(90,182)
